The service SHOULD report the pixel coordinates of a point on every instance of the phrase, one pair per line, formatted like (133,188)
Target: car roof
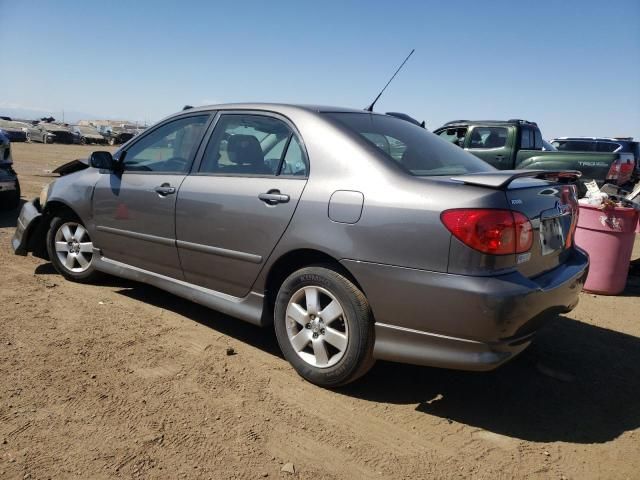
(277,107)
(510,122)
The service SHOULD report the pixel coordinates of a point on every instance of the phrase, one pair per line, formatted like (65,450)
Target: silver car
(357,236)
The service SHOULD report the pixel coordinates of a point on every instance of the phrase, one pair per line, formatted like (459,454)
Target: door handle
(165,189)
(273,197)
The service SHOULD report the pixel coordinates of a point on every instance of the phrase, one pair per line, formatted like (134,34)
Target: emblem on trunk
(516,201)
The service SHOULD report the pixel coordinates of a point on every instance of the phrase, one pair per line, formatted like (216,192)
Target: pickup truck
(518,144)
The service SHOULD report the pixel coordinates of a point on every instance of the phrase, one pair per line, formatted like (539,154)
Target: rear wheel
(112,141)
(44,139)
(70,249)
(83,141)
(324,326)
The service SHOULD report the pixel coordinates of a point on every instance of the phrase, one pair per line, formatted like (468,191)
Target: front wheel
(112,141)
(324,326)
(70,249)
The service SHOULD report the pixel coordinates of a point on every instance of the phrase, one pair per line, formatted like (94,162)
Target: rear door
(233,210)
(134,210)
(493,144)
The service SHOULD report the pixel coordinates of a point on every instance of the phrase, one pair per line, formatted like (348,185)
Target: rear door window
(527,139)
(538,143)
(608,147)
(253,145)
(488,137)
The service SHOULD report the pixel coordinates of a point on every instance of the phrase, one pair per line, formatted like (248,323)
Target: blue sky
(572,66)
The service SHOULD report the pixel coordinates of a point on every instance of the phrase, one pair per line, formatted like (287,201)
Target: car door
(134,209)
(233,210)
(491,144)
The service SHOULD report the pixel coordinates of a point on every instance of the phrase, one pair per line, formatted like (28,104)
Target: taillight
(621,170)
(496,232)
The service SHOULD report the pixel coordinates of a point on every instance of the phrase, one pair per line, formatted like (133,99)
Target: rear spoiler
(500,179)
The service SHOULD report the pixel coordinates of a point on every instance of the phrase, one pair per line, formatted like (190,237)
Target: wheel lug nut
(315,335)
(322,331)
(308,325)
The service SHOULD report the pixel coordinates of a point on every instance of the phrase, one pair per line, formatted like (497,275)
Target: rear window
(414,149)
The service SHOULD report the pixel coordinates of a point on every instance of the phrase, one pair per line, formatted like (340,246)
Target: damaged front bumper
(28,222)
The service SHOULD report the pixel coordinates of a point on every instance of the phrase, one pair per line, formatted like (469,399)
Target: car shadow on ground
(9,218)
(576,383)
(262,338)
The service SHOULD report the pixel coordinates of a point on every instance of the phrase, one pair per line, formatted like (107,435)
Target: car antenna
(370,107)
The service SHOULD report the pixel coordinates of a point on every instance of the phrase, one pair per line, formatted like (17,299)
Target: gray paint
(435,300)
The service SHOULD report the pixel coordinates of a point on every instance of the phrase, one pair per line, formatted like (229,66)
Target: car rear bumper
(463,322)
(28,221)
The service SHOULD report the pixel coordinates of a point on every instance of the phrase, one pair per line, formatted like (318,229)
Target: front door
(232,212)
(134,210)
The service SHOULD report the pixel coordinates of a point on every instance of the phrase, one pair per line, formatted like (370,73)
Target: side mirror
(102,160)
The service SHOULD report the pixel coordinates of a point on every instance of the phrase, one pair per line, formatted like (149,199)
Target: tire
(112,141)
(83,141)
(304,337)
(44,139)
(28,137)
(75,262)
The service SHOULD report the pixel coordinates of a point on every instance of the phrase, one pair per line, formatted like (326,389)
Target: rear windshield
(414,149)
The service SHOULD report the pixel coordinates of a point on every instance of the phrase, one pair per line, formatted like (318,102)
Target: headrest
(244,149)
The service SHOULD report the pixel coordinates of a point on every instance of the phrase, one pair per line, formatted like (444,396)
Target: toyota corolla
(355,235)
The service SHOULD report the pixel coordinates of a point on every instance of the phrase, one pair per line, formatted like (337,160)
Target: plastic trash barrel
(607,236)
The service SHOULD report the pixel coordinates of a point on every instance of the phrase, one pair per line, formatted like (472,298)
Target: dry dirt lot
(121,380)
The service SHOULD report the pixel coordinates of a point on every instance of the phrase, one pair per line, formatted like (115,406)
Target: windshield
(414,149)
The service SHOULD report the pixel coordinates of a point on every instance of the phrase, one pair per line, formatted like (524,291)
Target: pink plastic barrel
(607,236)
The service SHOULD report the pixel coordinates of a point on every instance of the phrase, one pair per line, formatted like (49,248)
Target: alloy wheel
(74,247)
(316,326)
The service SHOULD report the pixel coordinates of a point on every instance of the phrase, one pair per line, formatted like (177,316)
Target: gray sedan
(357,236)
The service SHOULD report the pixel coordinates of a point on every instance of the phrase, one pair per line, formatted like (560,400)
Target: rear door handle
(273,197)
(165,189)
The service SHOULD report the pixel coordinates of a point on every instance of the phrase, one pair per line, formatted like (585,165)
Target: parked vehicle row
(356,235)
(9,184)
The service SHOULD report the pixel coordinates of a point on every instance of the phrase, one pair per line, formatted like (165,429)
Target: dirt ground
(122,380)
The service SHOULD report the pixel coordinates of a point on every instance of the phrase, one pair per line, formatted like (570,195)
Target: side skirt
(248,308)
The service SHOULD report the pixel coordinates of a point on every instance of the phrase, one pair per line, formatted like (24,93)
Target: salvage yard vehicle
(86,134)
(117,135)
(13,130)
(518,144)
(357,235)
(45,132)
(9,184)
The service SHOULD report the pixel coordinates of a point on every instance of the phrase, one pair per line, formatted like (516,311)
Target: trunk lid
(552,209)
(549,200)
